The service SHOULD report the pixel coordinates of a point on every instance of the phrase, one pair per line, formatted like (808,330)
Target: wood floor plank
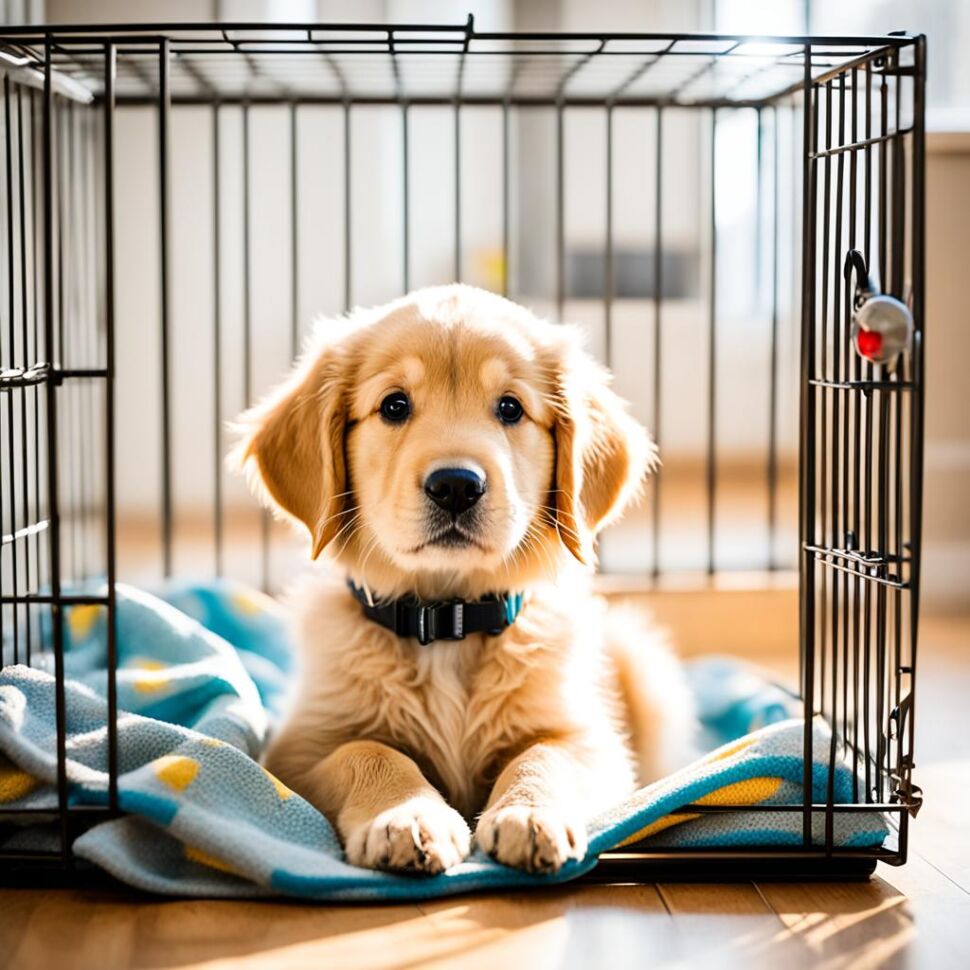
(563,928)
(940,910)
(16,910)
(941,832)
(214,934)
(875,924)
(862,925)
(71,928)
(731,926)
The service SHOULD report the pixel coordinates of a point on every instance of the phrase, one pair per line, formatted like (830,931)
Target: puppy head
(447,444)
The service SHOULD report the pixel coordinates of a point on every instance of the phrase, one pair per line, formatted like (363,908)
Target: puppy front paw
(420,836)
(529,838)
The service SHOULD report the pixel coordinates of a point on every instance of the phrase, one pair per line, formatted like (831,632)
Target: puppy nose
(454,489)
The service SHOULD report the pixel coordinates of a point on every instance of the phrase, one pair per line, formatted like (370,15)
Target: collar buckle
(426,622)
(449,620)
(432,622)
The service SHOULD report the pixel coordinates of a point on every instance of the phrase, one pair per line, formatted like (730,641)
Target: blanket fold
(201,672)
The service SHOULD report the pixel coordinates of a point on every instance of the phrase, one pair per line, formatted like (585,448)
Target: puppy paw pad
(533,839)
(421,836)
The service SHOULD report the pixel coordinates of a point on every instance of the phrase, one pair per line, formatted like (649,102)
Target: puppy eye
(509,410)
(396,407)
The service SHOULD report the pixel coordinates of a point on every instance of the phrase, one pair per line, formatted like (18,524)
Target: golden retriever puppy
(452,451)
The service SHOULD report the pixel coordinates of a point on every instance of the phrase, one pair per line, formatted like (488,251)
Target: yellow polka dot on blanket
(14,783)
(668,821)
(251,602)
(206,859)
(281,789)
(81,620)
(750,791)
(177,771)
(150,680)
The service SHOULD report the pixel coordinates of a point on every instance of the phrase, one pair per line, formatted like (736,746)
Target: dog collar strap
(447,620)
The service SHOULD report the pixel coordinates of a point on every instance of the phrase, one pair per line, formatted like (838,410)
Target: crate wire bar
(853,110)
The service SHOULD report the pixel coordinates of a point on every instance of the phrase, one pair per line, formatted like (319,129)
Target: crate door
(861,448)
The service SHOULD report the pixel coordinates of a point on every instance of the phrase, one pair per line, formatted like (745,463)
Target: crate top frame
(436,64)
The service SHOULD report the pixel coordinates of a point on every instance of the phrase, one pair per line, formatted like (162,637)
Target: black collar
(448,620)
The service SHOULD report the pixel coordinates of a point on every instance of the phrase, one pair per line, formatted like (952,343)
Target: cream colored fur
(524,735)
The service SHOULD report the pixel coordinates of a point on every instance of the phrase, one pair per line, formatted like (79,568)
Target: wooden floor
(917,916)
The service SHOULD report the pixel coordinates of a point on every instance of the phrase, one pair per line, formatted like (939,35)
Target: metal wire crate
(838,125)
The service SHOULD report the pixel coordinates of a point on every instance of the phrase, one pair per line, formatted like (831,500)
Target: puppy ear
(293,446)
(602,454)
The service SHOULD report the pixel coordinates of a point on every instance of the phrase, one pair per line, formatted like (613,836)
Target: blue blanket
(201,672)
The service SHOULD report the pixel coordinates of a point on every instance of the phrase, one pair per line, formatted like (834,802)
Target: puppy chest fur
(462,710)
